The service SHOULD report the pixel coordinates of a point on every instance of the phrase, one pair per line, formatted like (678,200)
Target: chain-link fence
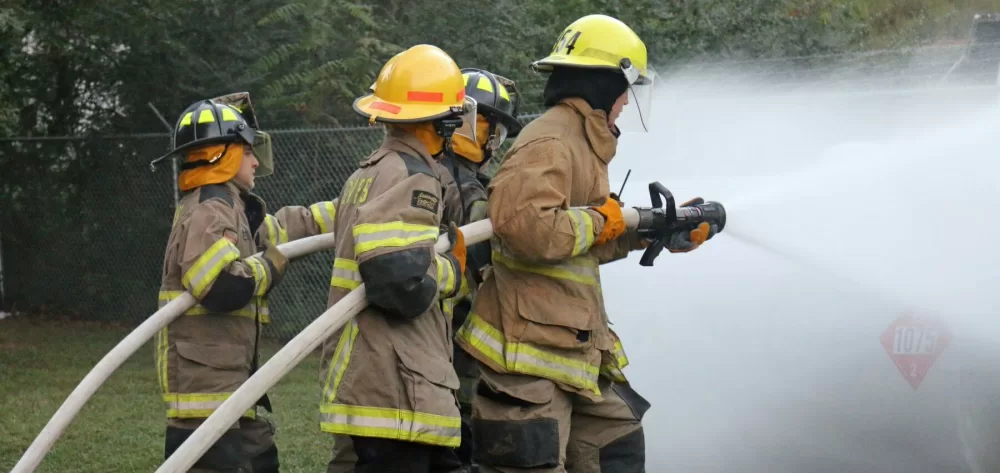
(85,229)
(87,238)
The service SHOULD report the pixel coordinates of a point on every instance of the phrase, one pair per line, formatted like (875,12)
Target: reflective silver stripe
(275,234)
(261,305)
(391,423)
(582,269)
(525,358)
(484,338)
(325,214)
(445,275)
(614,373)
(345,274)
(192,402)
(478,210)
(261,280)
(250,310)
(370,236)
(583,227)
(197,405)
(208,266)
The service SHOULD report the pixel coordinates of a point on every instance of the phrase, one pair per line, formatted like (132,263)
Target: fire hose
(125,349)
(656,222)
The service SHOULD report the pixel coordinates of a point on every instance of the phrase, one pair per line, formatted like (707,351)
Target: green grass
(121,428)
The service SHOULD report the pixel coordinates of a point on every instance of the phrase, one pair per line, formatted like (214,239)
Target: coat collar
(595,125)
(400,141)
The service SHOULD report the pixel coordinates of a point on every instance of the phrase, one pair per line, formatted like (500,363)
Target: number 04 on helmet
(601,41)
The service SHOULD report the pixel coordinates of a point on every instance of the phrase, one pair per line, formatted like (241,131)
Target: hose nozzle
(664,218)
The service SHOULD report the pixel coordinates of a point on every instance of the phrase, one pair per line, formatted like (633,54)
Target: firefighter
(387,378)
(496,103)
(550,397)
(209,351)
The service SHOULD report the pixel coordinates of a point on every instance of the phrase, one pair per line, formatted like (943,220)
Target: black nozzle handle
(661,199)
(652,251)
(656,190)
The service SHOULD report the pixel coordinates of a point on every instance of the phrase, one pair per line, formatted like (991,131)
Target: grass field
(121,428)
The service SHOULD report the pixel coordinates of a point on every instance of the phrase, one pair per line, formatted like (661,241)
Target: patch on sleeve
(425,200)
(231,235)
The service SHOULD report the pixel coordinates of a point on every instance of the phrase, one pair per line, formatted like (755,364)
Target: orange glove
(684,242)
(614,223)
(458,250)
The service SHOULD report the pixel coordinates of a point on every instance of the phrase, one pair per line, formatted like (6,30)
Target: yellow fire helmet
(601,41)
(421,84)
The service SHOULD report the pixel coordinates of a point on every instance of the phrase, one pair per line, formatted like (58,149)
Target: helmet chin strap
(446,128)
(450,152)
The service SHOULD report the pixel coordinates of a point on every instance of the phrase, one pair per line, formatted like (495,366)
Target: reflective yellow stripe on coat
(325,215)
(446,276)
(583,228)
(581,269)
(345,274)
(207,267)
(388,423)
(525,358)
(251,310)
(197,406)
(372,236)
(379,422)
(613,369)
(275,234)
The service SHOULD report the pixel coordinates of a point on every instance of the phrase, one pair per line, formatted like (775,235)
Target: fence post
(173,161)
(3,292)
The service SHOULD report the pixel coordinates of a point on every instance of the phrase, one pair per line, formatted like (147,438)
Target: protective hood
(599,87)
(226,160)
(426,133)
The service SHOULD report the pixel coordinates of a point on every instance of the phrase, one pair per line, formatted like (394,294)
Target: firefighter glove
(689,240)
(458,250)
(277,261)
(614,223)
(693,202)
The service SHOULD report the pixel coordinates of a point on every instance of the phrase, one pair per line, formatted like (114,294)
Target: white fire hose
(295,351)
(121,352)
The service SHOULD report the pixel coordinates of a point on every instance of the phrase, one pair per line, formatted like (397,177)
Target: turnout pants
(378,455)
(247,447)
(344,459)
(528,424)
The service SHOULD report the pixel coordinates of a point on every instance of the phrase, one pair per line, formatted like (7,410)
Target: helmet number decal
(566,41)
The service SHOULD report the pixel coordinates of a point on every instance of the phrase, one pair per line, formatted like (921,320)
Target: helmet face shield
(637,114)
(262,151)
(469,114)
(498,136)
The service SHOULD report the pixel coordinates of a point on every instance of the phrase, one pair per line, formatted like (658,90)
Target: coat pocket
(559,322)
(515,390)
(430,383)
(211,368)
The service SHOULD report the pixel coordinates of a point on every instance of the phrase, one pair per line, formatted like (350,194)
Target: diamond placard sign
(914,343)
